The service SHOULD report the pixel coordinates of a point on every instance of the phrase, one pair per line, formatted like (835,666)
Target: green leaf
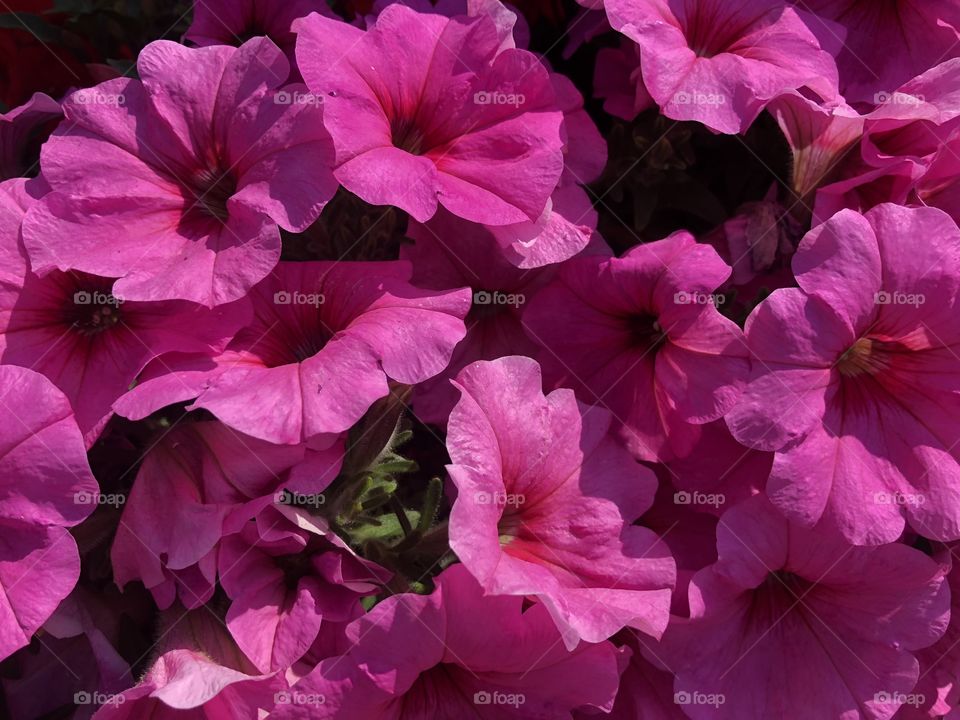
(388,531)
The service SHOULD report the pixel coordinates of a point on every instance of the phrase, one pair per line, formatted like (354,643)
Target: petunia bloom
(545,503)
(855,379)
(720,62)
(427,110)
(902,139)
(792,622)
(885,44)
(45,487)
(285,579)
(641,336)
(455,653)
(90,343)
(820,140)
(196,484)
(937,692)
(325,338)
(176,184)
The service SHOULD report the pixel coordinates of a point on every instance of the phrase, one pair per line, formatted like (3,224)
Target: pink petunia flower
(719,62)
(545,505)
(855,377)
(885,44)
(641,336)
(196,484)
(45,487)
(454,654)
(937,693)
(176,184)
(902,138)
(820,139)
(284,580)
(427,110)
(791,622)
(325,338)
(90,343)
(568,223)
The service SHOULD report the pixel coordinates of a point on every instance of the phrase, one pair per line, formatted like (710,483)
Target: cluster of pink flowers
(504,468)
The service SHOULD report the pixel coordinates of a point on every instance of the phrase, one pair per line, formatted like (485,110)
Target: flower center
(646,331)
(310,346)
(405,135)
(211,191)
(778,592)
(864,357)
(294,567)
(91,308)
(712,30)
(509,526)
(100,318)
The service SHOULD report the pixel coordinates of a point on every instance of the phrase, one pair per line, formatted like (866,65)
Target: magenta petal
(39,566)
